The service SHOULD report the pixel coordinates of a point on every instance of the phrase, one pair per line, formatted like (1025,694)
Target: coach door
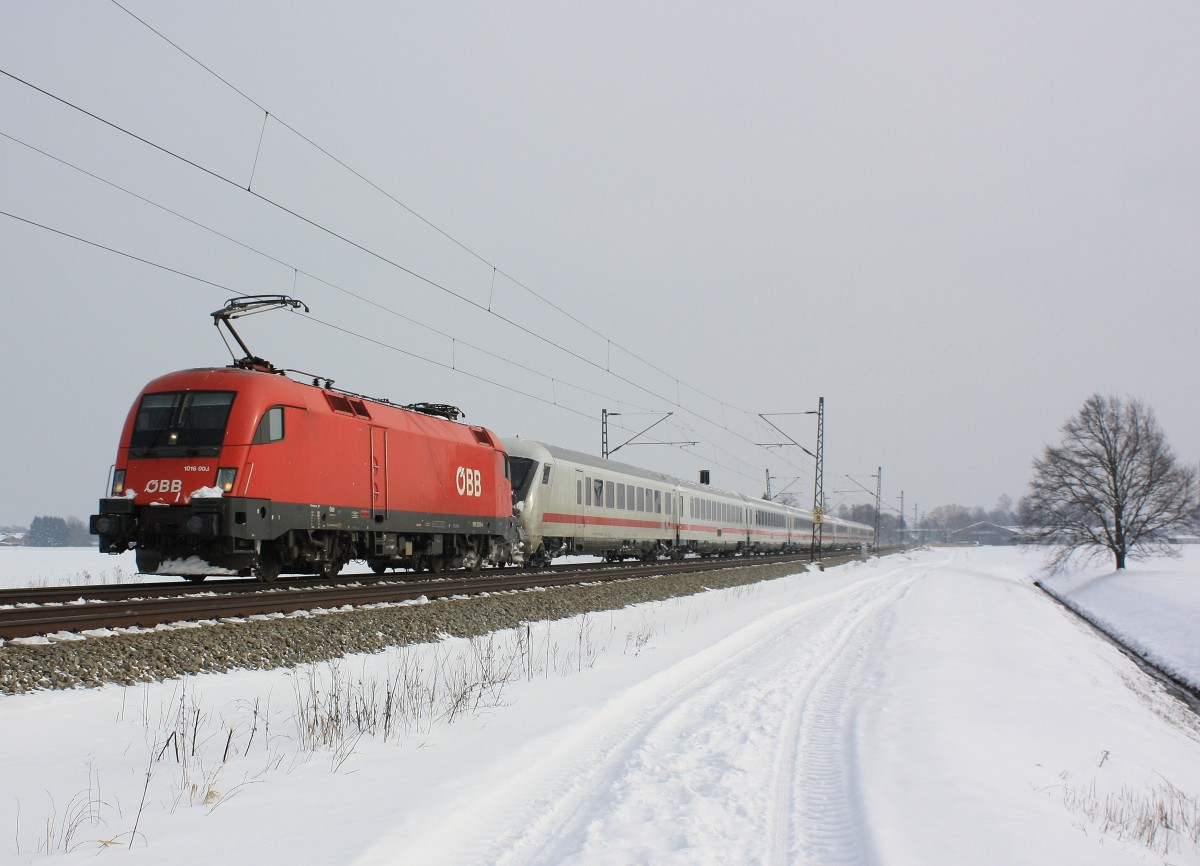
(580,497)
(379,485)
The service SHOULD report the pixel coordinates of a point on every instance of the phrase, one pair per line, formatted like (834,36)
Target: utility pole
(818,534)
(818,530)
(878,501)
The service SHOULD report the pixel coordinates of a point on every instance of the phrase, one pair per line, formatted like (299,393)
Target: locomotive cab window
(181,423)
(270,428)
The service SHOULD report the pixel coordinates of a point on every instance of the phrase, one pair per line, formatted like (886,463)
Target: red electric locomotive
(242,470)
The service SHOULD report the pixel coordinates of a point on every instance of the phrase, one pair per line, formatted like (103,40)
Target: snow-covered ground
(64,566)
(927,708)
(1154,607)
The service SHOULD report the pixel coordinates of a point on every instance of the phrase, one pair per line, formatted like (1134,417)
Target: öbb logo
(166,485)
(468,482)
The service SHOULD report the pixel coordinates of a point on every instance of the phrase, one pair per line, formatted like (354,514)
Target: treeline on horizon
(50,531)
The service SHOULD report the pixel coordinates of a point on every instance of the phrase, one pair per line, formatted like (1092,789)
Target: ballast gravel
(285,642)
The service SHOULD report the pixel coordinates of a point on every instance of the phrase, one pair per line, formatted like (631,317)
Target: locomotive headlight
(102,525)
(225,479)
(118,487)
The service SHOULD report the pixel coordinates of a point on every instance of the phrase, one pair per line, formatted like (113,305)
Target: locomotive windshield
(181,423)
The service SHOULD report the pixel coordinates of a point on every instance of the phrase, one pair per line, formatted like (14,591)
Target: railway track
(49,610)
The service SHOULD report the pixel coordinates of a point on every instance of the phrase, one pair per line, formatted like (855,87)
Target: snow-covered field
(927,708)
(63,566)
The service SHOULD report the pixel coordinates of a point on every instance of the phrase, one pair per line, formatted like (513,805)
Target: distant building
(986,533)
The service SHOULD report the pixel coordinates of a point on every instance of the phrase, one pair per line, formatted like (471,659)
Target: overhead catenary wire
(324,323)
(424,279)
(296,271)
(319,321)
(456,241)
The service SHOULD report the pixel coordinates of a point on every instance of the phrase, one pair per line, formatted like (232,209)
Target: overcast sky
(953,221)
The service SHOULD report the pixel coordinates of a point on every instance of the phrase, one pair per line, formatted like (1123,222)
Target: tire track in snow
(808,808)
(813,815)
(817,817)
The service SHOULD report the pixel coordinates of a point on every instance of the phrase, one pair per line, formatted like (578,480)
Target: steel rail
(250,598)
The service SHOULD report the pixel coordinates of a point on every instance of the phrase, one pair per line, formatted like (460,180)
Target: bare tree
(1111,486)
(945,520)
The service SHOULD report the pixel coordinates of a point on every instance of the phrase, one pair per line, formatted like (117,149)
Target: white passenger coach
(569,502)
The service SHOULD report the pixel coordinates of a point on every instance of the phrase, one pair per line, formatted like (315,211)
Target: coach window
(270,428)
(546,474)
(658,502)
(620,496)
(579,491)
(641,494)
(608,494)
